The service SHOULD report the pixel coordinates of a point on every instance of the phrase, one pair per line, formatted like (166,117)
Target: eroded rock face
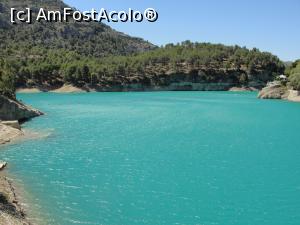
(14,124)
(274,90)
(15,110)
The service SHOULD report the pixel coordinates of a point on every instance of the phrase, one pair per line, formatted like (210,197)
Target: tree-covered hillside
(294,75)
(92,55)
(85,38)
(185,62)
(7,79)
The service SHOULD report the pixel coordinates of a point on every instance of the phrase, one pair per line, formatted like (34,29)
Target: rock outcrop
(276,90)
(15,110)
(273,90)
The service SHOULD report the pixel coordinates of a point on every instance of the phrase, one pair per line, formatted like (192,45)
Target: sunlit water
(204,158)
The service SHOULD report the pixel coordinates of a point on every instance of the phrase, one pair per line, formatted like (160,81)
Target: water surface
(204,158)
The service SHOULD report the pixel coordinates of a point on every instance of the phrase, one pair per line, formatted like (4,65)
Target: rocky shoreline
(178,86)
(11,210)
(12,109)
(11,113)
(277,90)
(8,133)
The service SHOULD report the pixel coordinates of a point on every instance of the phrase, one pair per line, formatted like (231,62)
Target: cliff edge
(14,110)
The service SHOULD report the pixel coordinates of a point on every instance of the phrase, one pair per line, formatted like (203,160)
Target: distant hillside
(185,66)
(86,38)
(92,55)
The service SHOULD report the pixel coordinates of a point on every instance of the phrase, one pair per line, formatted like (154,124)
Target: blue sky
(270,25)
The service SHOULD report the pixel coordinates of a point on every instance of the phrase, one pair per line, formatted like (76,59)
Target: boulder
(14,110)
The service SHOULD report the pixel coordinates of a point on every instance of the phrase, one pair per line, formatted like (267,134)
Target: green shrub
(294,80)
(7,79)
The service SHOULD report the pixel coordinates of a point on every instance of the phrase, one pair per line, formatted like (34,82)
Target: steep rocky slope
(14,110)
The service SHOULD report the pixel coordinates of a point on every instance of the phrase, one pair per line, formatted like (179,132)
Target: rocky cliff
(276,90)
(273,90)
(15,110)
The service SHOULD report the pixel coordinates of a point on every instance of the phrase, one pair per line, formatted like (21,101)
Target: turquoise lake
(206,158)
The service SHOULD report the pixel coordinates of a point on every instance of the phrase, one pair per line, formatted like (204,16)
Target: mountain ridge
(86,38)
(91,55)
